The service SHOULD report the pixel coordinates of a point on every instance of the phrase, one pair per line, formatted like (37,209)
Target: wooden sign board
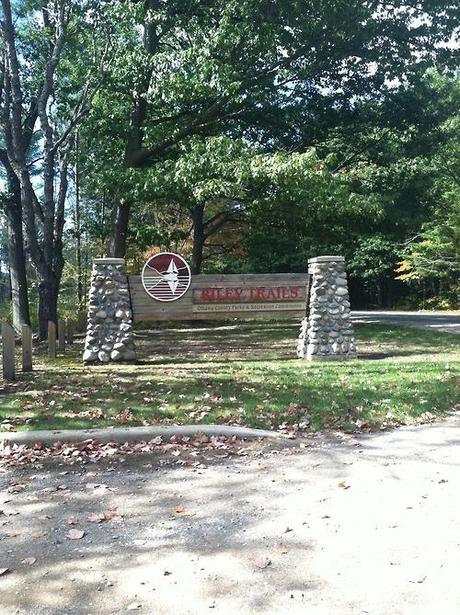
(219,297)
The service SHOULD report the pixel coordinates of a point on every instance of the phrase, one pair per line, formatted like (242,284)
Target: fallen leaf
(29,561)
(96,517)
(75,534)
(180,508)
(4,571)
(72,521)
(38,534)
(262,562)
(344,485)
(112,515)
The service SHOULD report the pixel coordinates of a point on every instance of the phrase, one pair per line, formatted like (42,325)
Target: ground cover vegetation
(245,375)
(247,135)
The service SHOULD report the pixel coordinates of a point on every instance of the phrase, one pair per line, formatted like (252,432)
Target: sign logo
(166,276)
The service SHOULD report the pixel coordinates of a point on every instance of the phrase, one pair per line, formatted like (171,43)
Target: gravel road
(436,321)
(338,524)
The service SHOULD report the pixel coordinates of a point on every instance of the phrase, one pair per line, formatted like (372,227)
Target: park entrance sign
(211,297)
(165,290)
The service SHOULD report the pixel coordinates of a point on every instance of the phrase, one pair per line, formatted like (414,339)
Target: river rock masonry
(109,334)
(327,332)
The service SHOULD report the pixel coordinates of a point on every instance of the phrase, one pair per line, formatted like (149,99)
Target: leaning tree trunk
(119,233)
(48,288)
(199,238)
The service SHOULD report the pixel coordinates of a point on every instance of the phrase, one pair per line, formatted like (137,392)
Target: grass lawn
(243,375)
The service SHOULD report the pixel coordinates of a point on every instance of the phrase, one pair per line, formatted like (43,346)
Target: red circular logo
(166,276)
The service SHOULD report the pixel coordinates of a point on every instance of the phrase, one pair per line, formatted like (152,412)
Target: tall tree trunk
(17,263)
(199,238)
(77,223)
(119,234)
(16,252)
(48,288)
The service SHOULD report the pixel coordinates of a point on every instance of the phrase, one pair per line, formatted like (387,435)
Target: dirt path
(345,526)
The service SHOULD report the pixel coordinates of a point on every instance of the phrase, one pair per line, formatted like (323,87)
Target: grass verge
(244,375)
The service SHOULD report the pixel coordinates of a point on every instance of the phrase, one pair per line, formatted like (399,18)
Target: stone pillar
(327,332)
(109,332)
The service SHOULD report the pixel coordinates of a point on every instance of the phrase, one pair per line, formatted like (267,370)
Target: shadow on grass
(248,376)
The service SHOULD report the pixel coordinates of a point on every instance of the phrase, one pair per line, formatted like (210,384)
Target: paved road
(438,321)
(345,525)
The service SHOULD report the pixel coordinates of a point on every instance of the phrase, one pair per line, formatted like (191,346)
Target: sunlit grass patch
(244,375)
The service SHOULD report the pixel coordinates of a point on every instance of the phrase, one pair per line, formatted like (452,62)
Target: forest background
(248,136)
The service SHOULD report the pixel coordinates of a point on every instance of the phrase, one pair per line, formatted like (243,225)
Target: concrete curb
(131,434)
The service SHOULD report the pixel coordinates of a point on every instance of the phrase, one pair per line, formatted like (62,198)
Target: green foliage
(300,209)
(316,123)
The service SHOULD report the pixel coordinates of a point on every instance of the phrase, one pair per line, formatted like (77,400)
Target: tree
(257,69)
(38,85)
(205,186)
(11,205)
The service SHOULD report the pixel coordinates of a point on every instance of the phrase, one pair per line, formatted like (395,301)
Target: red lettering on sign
(206,294)
(253,293)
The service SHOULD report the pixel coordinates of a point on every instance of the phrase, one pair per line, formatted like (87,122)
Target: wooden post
(70,331)
(9,363)
(61,334)
(51,340)
(26,348)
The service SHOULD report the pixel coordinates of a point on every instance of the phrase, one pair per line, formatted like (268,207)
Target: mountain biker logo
(166,276)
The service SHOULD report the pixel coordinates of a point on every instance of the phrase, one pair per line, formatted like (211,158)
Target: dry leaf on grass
(29,561)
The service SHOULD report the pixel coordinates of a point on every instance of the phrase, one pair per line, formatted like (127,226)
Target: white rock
(89,355)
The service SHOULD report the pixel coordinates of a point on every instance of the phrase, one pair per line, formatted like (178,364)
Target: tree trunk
(48,288)
(199,238)
(77,222)
(16,253)
(119,234)
(17,263)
